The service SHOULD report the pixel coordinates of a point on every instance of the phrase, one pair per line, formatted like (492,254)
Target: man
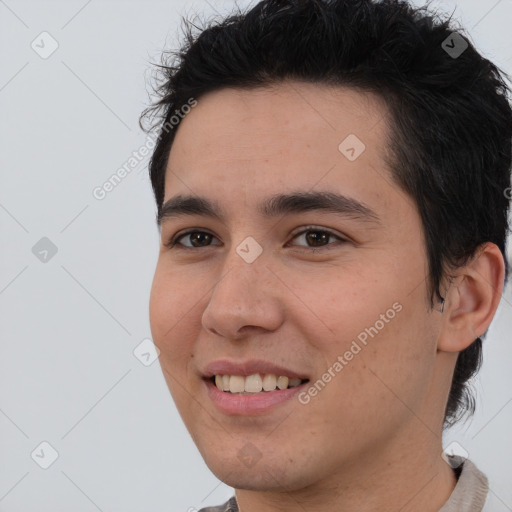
(331,184)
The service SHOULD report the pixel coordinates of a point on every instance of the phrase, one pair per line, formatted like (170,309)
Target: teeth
(282,382)
(254,383)
(236,384)
(269,382)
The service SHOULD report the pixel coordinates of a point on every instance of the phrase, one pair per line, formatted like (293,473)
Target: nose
(245,300)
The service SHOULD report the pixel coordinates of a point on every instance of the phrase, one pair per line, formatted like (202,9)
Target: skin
(371,439)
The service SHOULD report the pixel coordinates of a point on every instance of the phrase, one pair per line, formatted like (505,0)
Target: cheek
(345,308)
(383,333)
(170,311)
(393,370)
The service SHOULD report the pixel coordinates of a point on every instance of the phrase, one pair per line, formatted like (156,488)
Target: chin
(260,476)
(256,480)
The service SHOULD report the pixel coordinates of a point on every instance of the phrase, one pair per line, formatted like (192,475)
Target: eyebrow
(275,206)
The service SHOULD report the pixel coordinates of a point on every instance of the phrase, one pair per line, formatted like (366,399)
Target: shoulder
(229,506)
(471,490)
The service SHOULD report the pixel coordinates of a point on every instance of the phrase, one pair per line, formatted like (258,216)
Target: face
(332,294)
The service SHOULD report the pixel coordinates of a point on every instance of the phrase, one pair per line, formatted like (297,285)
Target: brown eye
(197,239)
(317,238)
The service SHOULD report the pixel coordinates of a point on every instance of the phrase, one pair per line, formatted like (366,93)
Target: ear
(472,299)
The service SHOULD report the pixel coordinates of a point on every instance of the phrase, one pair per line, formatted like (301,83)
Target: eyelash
(173,243)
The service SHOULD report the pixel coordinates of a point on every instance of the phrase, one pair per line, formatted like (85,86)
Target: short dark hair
(450,116)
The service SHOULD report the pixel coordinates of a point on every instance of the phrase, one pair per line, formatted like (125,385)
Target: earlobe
(472,299)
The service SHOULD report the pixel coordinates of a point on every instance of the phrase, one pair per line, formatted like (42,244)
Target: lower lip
(231,403)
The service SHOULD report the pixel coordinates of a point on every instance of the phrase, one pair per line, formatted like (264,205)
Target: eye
(196,237)
(313,236)
(317,237)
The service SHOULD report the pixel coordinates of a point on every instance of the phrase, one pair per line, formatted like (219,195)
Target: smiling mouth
(254,384)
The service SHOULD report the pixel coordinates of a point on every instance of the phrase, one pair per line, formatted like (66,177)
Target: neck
(408,479)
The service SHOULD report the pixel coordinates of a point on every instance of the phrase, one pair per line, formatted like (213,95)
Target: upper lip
(250,367)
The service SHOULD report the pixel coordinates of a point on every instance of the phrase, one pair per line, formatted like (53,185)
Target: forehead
(262,119)
(245,144)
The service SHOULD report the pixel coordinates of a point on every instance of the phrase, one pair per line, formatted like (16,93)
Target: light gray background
(68,375)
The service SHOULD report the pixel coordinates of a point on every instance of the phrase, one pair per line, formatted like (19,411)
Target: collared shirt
(471,493)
